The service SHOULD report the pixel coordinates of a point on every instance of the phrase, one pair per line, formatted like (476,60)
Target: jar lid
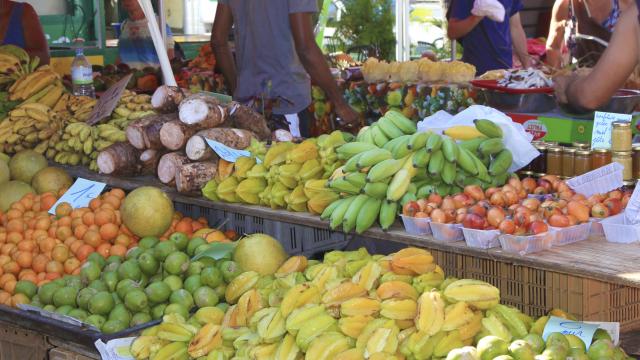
(629,183)
(527,173)
(621,124)
(554,149)
(539,174)
(622,153)
(583,152)
(540,146)
(601,150)
(636,147)
(551,143)
(581,145)
(569,150)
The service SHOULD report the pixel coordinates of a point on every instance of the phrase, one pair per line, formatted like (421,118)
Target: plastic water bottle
(82,74)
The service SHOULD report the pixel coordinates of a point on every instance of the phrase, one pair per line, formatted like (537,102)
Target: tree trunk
(144,133)
(192,177)
(168,164)
(120,158)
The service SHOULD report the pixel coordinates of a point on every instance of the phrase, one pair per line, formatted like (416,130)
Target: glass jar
(621,136)
(635,159)
(582,162)
(554,160)
(624,158)
(539,164)
(581,145)
(568,158)
(600,157)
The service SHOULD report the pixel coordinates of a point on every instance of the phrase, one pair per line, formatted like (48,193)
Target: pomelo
(51,179)
(147,211)
(25,164)
(12,191)
(260,253)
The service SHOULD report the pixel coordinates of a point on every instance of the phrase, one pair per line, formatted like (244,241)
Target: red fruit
(450,215)
(540,191)
(579,210)
(507,227)
(435,198)
(529,184)
(520,231)
(478,210)
(422,215)
(410,208)
(510,197)
(462,200)
(438,216)
(600,211)
(475,192)
(538,227)
(521,217)
(559,221)
(614,205)
(531,203)
(495,216)
(490,191)
(497,199)
(473,221)
(515,182)
(546,184)
(615,194)
(594,199)
(422,203)
(447,203)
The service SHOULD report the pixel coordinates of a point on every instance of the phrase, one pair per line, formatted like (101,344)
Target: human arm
(314,63)
(220,44)
(459,28)
(611,71)
(35,41)
(519,39)
(559,16)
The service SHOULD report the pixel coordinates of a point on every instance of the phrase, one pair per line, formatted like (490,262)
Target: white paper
(583,330)
(516,139)
(80,194)
(632,211)
(294,124)
(116,349)
(613,328)
(601,134)
(598,181)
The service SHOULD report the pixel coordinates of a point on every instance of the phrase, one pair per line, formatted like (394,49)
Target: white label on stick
(601,135)
(80,194)
(227,153)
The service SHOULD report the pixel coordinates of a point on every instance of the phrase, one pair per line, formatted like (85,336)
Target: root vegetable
(203,110)
(149,161)
(144,133)
(120,158)
(243,117)
(168,164)
(197,148)
(193,176)
(175,134)
(166,99)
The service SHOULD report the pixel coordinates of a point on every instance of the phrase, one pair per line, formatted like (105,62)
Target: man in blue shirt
(489,44)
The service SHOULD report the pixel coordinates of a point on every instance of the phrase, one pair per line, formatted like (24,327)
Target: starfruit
(327,346)
(293,264)
(208,338)
(369,276)
(344,291)
(352,326)
(399,309)
(396,290)
(297,296)
(241,284)
(360,306)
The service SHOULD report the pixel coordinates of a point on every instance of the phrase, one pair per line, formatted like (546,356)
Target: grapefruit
(25,164)
(12,191)
(260,253)
(51,179)
(147,211)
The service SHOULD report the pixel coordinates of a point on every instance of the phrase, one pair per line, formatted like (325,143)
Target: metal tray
(532,103)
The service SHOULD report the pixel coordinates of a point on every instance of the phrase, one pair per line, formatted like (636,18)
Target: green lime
(136,300)
(182,297)
(148,242)
(65,296)
(82,300)
(45,292)
(99,285)
(101,303)
(193,244)
(26,288)
(158,311)
(113,326)
(89,272)
(95,320)
(49,308)
(110,279)
(536,342)
(205,296)
(35,301)
(158,292)
(114,259)
(181,240)
(195,268)
(112,267)
(163,249)
(125,286)
(192,283)
(140,318)
(230,269)
(148,263)
(129,270)
(176,309)
(176,263)
(60,282)
(212,277)
(73,281)
(221,290)
(120,313)
(116,298)
(78,314)
(174,282)
(133,253)
(98,259)
(64,309)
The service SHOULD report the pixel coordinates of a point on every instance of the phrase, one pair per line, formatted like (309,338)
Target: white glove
(492,9)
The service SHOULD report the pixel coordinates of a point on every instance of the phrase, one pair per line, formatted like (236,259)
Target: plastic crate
(447,232)
(616,229)
(21,344)
(416,226)
(482,239)
(526,244)
(571,234)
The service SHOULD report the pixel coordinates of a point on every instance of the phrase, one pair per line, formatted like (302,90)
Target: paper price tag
(582,330)
(80,194)
(601,135)
(613,328)
(108,101)
(227,153)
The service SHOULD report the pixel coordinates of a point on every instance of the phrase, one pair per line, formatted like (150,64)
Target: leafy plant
(369,23)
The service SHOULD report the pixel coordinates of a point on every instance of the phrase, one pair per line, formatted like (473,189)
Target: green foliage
(369,23)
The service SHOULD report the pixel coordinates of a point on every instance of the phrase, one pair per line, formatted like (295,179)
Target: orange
(75,246)
(123,240)
(4,259)
(47,201)
(63,209)
(29,276)
(39,263)
(104,216)
(10,286)
(94,204)
(14,237)
(16,225)
(26,246)
(63,232)
(88,218)
(60,253)
(47,244)
(119,193)
(196,225)
(184,226)
(92,238)
(118,250)
(76,222)
(113,200)
(64,221)
(6,248)
(4,296)
(109,231)
(18,206)
(80,230)
(18,299)
(24,259)
(54,267)
(71,265)
(84,251)
(14,214)
(11,267)
(104,249)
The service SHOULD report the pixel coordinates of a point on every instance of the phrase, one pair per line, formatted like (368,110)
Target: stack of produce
(422,70)
(390,164)
(15,65)
(357,306)
(291,176)
(30,126)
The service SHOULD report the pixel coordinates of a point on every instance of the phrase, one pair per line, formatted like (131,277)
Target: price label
(582,330)
(80,194)
(108,101)
(601,135)
(227,153)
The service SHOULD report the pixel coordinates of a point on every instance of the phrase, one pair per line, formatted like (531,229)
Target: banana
(379,138)
(357,179)
(384,169)
(393,142)
(352,164)
(367,136)
(501,163)
(448,173)
(329,209)
(388,213)
(421,158)
(399,185)
(368,214)
(337,215)
(389,129)
(39,83)
(349,150)
(473,144)
(419,140)
(450,149)
(351,216)
(488,128)
(37,97)
(463,132)
(436,163)
(401,122)
(52,97)
(466,162)
(343,186)
(373,157)
(434,143)
(483,174)
(401,149)
(491,146)
(376,190)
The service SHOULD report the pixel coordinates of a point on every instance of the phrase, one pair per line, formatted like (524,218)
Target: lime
(136,300)
(601,334)
(126,285)
(230,269)
(65,296)
(182,297)
(195,268)
(78,314)
(129,270)
(158,311)
(140,318)
(133,253)
(193,244)
(148,263)
(82,300)
(181,240)
(95,320)
(557,351)
(221,290)
(73,281)
(35,301)
(174,282)
(111,280)
(163,249)
(59,282)
(49,308)
(101,303)
(64,309)
(192,283)
(113,326)
(490,347)
(177,309)
(148,242)
(601,349)
(557,338)
(575,342)
(205,296)
(114,259)
(116,298)
(99,285)
(120,313)
(45,292)
(144,280)
(211,277)
(89,272)
(158,292)
(521,350)
(26,288)
(112,266)
(176,263)
(98,259)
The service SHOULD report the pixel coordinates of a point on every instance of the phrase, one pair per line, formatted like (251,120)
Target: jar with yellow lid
(635,159)
(600,157)
(554,160)
(582,162)
(624,158)
(568,159)
(621,136)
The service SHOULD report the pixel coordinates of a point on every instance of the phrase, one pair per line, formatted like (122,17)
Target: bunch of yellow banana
(15,63)
(33,84)
(30,126)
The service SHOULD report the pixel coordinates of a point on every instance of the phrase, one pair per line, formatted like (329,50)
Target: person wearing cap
(20,26)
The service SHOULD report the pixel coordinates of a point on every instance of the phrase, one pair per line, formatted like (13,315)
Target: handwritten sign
(108,101)
(80,194)
(582,330)
(613,328)
(227,153)
(601,135)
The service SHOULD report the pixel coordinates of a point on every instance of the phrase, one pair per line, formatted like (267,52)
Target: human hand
(492,9)
(561,84)
(348,117)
